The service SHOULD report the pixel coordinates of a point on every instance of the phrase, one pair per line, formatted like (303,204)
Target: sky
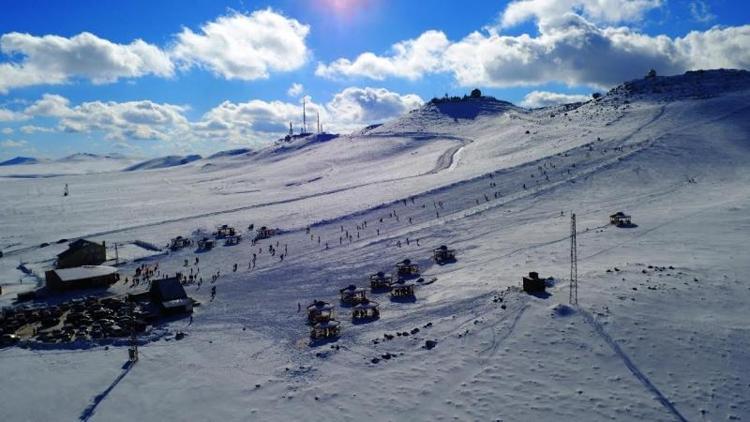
(152,78)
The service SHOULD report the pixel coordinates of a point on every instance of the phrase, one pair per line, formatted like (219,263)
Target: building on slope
(82,252)
(84,277)
(169,295)
(620,219)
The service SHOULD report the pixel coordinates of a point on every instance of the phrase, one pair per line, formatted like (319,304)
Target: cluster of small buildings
(320,314)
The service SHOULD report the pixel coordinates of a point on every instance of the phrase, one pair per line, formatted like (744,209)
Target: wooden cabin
(319,311)
(206,244)
(325,330)
(442,254)
(264,233)
(533,284)
(366,310)
(84,277)
(232,240)
(352,295)
(224,231)
(381,281)
(170,296)
(405,268)
(620,219)
(179,242)
(402,289)
(82,252)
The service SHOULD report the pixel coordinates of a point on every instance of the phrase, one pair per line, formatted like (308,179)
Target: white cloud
(600,11)
(52,59)
(118,121)
(568,49)
(10,115)
(31,129)
(700,11)
(245,47)
(9,143)
(536,99)
(410,59)
(257,121)
(361,106)
(295,90)
(7,131)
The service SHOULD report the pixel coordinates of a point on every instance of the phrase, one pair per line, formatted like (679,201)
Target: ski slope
(661,332)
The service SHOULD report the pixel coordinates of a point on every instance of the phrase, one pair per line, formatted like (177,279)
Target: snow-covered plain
(661,332)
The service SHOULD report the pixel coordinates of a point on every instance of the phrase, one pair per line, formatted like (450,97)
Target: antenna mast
(573,261)
(304,117)
(318,113)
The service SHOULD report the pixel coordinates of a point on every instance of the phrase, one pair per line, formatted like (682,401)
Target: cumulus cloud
(7,131)
(568,49)
(600,11)
(537,99)
(10,115)
(245,47)
(295,90)
(52,59)
(10,143)
(410,59)
(259,120)
(254,121)
(118,121)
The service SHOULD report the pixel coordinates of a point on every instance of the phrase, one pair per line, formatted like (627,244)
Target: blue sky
(150,78)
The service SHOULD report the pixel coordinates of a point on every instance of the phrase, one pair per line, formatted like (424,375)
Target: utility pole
(133,349)
(117,256)
(573,261)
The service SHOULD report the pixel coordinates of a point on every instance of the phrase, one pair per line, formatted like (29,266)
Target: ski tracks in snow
(631,365)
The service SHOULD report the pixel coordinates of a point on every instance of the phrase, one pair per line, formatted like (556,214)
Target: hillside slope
(660,331)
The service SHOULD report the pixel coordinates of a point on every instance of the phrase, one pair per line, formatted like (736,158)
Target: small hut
(352,295)
(224,231)
(405,268)
(179,242)
(366,310)
(206,244)
(319,311)
(620,219)
(380,281)
(402,289)
(442,254)
(264,233)
(533,284)
(325,330)
(232,240)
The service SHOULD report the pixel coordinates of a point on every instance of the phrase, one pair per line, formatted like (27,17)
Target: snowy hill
(660,331)
(164,162)
(19,161)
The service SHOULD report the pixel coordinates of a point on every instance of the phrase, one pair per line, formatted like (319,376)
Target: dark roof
(76,246)
(168,289)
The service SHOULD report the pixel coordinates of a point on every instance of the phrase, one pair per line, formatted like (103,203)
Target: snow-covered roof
(327,324)
(84,272)
(320,306)
(366,305)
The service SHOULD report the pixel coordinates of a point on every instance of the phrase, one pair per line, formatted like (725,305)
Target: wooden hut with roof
(179,242)
(264,233)
(206,244)
(352,295)
(443,255)
(366,310)
(620,219)
(380,281)
(319,311)
(402,289)
(224,231)
(405,268)
(325,330)
(232,240)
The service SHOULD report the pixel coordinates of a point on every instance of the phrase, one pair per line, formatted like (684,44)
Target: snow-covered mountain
(660,331)
(164,162)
